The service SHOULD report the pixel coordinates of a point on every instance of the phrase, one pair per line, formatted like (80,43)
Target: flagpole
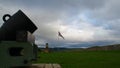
(58,36)
(59,33)
(59,26)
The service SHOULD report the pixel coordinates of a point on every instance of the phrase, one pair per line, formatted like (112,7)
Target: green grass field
(83,59)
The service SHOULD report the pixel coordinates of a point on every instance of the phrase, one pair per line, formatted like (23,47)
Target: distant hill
(107,47)
(94,48)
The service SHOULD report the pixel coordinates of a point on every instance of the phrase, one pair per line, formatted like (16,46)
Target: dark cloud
(80,20)
(110,11)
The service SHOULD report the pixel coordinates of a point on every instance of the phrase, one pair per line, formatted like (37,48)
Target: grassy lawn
(83,59)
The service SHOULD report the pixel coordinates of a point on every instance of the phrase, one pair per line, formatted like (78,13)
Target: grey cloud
(46,14)
(109,18)
(110,11)
(57,4)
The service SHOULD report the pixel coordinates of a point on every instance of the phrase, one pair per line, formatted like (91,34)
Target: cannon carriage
(17,44)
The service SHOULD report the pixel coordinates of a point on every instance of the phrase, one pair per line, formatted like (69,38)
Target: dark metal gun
(15,50)
(18,22)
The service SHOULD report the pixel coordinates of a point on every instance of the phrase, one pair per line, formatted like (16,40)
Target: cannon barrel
(18,22)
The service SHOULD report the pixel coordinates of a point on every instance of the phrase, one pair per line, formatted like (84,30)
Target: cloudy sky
(83,23)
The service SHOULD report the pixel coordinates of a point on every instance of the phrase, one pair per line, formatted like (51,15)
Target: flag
(59,34)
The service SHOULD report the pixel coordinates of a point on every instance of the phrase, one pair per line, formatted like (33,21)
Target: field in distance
(82,59)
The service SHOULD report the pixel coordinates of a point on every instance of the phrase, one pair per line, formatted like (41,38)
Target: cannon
(18,22)
(17,43)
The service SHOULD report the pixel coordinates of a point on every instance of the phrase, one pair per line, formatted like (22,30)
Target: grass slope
(83,59)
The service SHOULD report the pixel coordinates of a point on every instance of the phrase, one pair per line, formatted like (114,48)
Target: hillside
(107,47)
(94,48)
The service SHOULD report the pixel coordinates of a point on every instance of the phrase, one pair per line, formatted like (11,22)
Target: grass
(83,59)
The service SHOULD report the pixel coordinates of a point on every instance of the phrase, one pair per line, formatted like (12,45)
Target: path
(46,66)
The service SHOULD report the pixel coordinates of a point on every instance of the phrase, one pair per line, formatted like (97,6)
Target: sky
(83,23)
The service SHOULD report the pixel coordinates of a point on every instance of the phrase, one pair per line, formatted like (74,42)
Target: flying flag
(59,34)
